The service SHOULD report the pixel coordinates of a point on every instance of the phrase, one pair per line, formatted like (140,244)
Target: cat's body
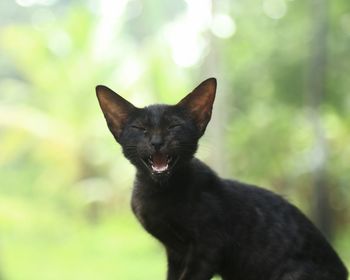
(210,225)
(242,232)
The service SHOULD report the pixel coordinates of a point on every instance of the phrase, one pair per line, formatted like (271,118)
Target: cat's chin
(160,164)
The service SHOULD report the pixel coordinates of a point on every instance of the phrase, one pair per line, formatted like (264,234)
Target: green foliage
(39,243)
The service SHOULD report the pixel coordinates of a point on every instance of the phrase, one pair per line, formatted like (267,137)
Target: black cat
(210,225)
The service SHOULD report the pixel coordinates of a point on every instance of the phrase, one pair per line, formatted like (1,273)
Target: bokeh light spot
(275,9)
(223,26)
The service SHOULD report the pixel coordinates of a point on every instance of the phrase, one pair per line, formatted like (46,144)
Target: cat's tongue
(159,162)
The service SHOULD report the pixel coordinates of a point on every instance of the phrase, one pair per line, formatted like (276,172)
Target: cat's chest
(164,218)
(156,212)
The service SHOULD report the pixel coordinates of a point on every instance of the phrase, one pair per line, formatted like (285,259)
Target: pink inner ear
(115,109)
(199,103)
(203,103)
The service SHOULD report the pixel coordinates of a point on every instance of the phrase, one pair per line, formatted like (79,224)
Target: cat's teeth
(159,162)
(159,169)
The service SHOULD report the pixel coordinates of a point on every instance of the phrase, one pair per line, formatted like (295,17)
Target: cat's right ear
(115,109)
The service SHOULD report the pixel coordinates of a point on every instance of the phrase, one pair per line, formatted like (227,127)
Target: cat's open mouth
(159,163)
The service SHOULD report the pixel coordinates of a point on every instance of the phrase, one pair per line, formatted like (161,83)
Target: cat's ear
(199,103)
(115,109)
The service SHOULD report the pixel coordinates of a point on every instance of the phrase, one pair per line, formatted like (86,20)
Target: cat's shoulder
(253,193)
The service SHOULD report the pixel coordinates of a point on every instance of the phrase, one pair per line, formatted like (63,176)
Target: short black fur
(209,225)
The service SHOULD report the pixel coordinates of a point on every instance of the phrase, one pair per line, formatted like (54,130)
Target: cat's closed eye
(139,128)
(173,126)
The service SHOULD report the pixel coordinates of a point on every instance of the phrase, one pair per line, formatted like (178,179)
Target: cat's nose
(157,142)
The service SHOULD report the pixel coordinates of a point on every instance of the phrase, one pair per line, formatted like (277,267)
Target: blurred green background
(281,119)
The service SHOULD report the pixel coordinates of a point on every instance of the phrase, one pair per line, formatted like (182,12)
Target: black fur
(210,225)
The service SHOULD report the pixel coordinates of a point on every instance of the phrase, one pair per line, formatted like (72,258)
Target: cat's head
(158,139)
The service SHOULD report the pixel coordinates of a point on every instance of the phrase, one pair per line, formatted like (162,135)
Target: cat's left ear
(115,109)
(199,103)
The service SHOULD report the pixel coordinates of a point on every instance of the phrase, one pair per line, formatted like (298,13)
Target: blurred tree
(322,211)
